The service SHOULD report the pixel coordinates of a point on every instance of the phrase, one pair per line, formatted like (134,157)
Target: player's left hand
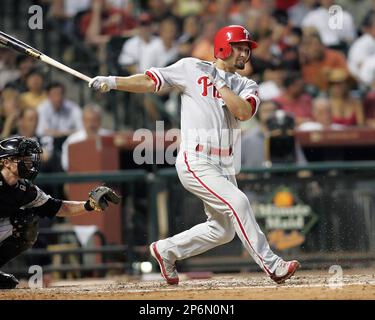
(213,74)
(103,84)
(99,198)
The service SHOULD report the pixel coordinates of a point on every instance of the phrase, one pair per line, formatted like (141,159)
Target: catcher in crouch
(22,203)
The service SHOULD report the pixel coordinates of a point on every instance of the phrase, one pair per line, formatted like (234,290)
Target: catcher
(22,203)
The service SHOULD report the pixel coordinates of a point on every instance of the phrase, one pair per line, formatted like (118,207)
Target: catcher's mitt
(99,198)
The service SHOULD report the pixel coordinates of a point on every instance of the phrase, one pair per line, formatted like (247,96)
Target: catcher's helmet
(27,153)
(230,34)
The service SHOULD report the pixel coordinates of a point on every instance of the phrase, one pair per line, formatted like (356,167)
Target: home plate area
(306,285)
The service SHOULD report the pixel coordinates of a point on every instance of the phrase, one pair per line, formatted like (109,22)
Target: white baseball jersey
(203,111)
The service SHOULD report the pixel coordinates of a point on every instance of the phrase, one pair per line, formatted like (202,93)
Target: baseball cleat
(167,269)
(285,270)
(7,281)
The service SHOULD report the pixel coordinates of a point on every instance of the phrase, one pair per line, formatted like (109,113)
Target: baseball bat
(22,47)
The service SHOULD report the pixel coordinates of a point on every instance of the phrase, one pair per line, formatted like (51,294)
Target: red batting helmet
(227,35)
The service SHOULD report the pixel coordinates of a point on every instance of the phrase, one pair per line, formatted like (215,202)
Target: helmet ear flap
(224,51)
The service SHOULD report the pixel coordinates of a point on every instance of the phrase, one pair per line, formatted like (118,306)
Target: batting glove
(213,74)
(103,84)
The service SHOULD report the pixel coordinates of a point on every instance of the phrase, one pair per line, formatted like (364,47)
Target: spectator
(362,50)
(24,65)
(92,121)
(367,71)
(289,54)
(317,61)
(359,12)
(346,109)
(164,51)
(223,12)
(186,8)
(369,106)
(134,53)
(320,18)
(253,144)
(8,71)
(26,126)
(68,9)
(36,93)
(190,33)
(268,32)
(297,12)
(58,116)
(204,46)
(159,11)
(264,57)
(294,99)
(102,22)
(9,111)
(322,117)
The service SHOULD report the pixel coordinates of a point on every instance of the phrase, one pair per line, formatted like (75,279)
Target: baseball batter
(214,99)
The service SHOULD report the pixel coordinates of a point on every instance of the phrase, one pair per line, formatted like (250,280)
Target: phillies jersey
(204,115)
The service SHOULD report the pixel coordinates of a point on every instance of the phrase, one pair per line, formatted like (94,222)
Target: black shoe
(7,281)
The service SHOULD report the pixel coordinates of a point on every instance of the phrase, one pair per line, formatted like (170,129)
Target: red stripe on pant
(230,207)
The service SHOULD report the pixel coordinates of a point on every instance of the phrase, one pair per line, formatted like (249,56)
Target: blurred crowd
(315,61)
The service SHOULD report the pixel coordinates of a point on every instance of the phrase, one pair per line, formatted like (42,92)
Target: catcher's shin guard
(22,239)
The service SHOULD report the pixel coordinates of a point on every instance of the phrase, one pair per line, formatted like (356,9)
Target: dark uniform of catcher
(22,203)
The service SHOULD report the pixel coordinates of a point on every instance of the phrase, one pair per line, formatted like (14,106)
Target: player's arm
(46,206)
(153,80)
(242,109)
(71,208)
(138,83)
(98,201)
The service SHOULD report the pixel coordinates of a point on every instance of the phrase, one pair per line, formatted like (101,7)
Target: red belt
(215,151)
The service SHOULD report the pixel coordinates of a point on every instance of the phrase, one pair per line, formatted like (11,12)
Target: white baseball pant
(228,211)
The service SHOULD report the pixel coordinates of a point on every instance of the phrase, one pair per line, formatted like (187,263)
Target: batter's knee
(222,234)
(228,236)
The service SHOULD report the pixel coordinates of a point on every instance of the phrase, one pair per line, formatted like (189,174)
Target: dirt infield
(306,285)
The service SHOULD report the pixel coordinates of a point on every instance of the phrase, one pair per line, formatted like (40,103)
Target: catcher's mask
(25,152)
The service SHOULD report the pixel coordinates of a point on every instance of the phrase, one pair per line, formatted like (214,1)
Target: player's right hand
(213,74)
(103,84)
